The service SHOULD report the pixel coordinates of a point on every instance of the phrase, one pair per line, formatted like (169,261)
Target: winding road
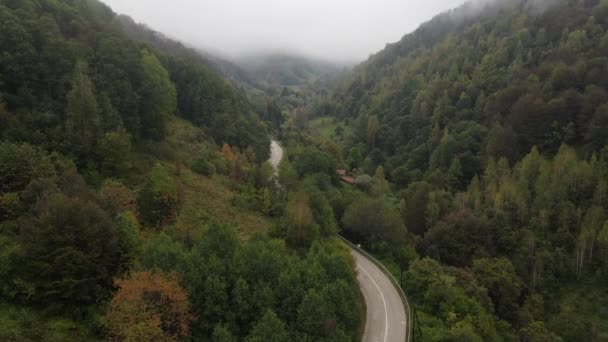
(276,155)
(386,319)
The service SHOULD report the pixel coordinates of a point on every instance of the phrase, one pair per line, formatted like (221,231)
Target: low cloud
(338,30)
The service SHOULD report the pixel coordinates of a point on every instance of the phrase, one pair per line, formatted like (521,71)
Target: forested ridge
(135,200)
(136,203)
(47,45)
(478,149)
(290,82)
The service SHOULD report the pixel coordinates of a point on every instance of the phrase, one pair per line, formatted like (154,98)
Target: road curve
(386,318)
(276,155)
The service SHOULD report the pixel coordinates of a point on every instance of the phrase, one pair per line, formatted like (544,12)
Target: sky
(334,30)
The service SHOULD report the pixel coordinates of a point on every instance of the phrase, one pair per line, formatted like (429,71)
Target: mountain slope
(289,82)
(269,80)
(135,201)
(485,132)
(427,86)
(35,72)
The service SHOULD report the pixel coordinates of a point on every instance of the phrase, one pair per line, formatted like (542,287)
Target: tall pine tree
(83,123)
(160,95)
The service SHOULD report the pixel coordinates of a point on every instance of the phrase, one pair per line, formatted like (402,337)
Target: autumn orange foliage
(227,152)
(148,306)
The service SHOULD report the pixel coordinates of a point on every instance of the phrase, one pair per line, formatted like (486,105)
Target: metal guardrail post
(408,333)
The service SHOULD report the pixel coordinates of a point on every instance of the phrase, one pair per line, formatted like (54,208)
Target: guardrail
(408,333)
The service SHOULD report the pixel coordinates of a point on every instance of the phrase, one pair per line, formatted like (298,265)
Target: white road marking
(383,301)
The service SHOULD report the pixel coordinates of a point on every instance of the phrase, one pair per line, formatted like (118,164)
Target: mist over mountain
(341,30)
(199,177)
(287,69)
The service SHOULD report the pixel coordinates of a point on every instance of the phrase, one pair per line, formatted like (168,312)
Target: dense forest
(478,148)
(277,85)
(135,200)
(290,82)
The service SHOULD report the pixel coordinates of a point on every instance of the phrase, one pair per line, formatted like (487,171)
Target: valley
(153,191)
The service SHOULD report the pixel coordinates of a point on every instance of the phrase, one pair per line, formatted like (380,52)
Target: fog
(335,30)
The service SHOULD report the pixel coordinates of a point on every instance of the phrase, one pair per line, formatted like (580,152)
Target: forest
(478,149)
(136,203)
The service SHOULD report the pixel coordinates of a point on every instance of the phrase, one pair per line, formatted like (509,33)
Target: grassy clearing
(325,128)
(208,200)
(203,199)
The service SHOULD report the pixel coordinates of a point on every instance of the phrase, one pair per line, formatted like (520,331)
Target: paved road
(276,154)
(386,319)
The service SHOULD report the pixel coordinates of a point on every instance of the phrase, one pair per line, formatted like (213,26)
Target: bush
(157,200)
(113,151)
(20,163)
(203,167)
(249,199)
(9,205)
(73,253)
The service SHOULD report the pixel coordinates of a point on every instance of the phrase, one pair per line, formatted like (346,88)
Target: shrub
(203,167)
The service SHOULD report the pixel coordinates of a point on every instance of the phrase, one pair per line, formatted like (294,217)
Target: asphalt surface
(276,154)
(386,319)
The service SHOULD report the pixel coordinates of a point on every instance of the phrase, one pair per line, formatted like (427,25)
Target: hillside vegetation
(479,152)
(135,201)
(287,83)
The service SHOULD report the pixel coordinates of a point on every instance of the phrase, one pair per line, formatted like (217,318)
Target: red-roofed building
(348,179)
(344,177)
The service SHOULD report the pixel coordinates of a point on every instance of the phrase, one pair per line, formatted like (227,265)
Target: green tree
(598,127)
(129,239)
(269,328)
(273,114)
(314,315)
(504,286)
(222,334)
(161,252)
(157,200)
(459,237)
(264,175)
(111,121)
(433,210)
(12,255)
(220,241)
(301,216)
(311,160)
(380,185)
(375,219)
(602,238)
(20,164)
(537,332)
(114,150)
(346,307)
(267,201)
(454,176)
(414,213)
(160,95)
(73,253)
(83,116)
(373,126)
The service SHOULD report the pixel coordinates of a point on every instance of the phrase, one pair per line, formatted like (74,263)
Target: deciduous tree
(83,121)
(148,306)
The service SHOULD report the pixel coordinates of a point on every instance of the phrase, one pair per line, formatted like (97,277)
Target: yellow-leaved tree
(148,306)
